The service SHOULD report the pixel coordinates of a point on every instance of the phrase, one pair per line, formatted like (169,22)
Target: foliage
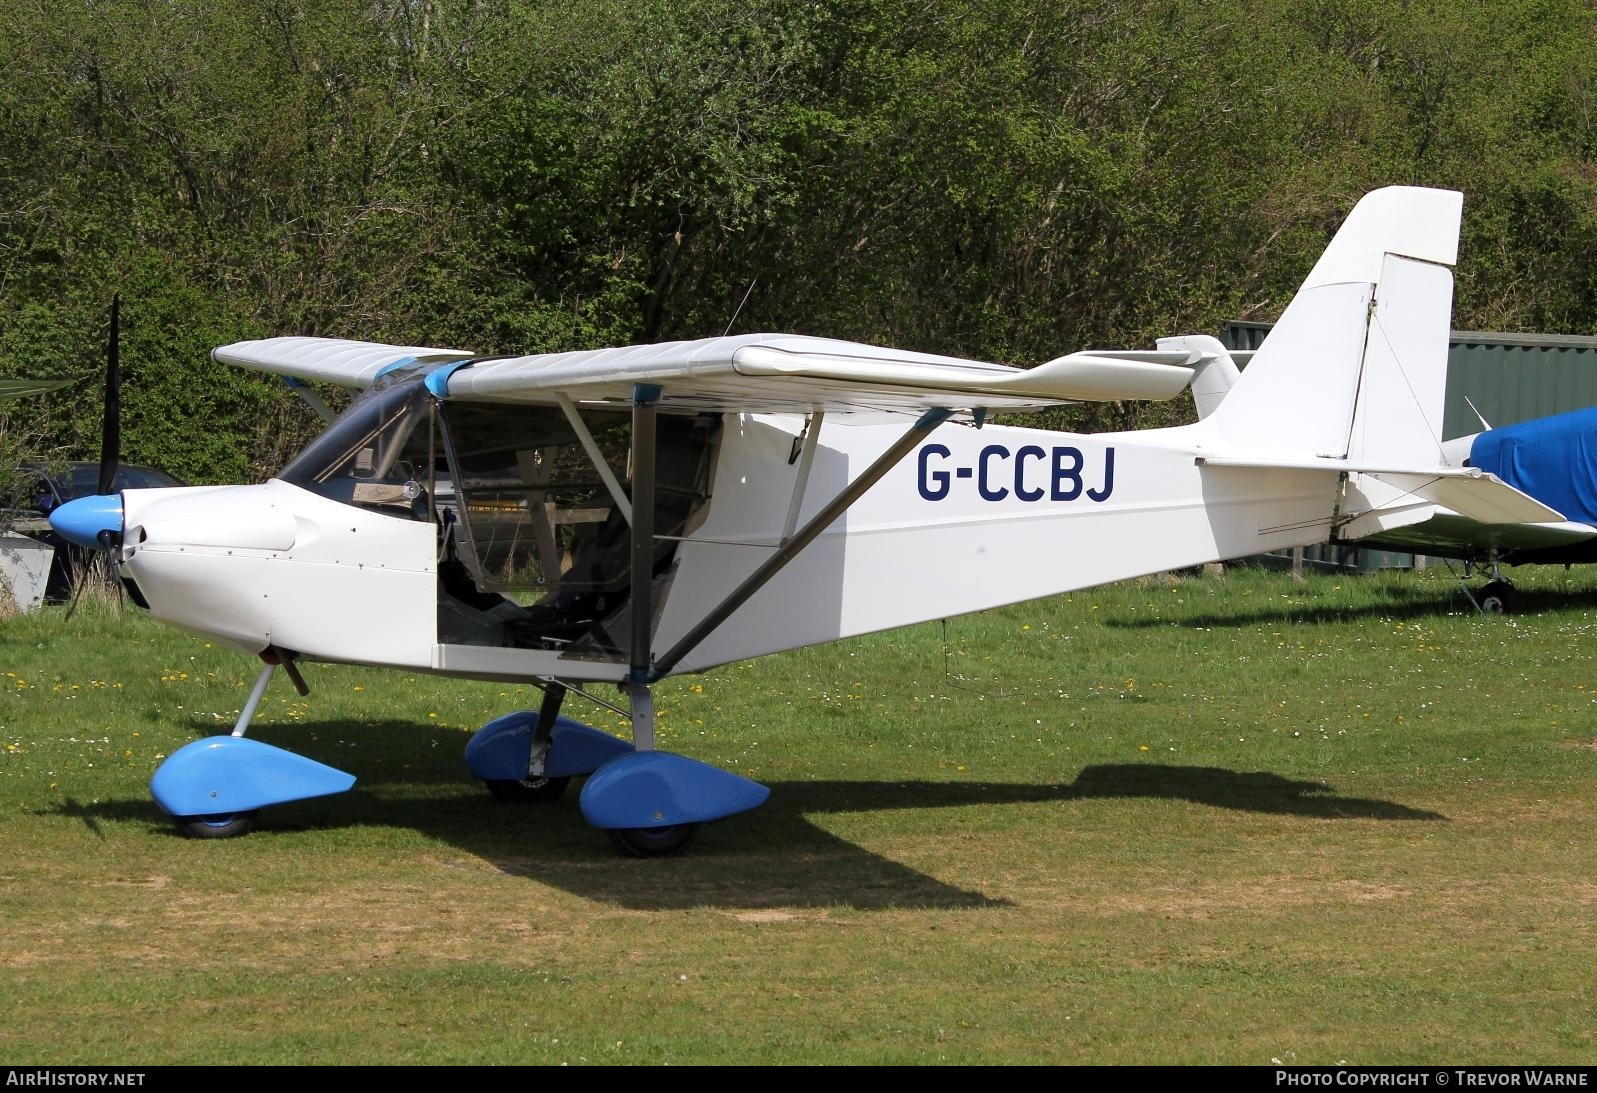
(1007,181)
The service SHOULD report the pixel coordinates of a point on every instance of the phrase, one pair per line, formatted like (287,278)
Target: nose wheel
(1499,598)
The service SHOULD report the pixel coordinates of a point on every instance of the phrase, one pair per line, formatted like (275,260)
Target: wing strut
(311,398)
(786,552)
(645,400)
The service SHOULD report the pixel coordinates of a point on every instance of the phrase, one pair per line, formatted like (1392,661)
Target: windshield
(380,454)
(538,551)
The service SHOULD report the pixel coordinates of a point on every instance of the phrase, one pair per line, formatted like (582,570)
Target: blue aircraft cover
(1554,459)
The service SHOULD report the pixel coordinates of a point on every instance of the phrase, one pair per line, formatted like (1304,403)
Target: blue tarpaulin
(1554,459)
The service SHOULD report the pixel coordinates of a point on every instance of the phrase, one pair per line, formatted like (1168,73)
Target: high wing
(746,372)
(332,360)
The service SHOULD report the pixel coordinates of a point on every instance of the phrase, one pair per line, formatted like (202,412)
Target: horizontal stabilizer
(1468,491)
(1484,497)
(1447,532)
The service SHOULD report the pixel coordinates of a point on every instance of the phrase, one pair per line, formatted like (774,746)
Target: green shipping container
(1508,377)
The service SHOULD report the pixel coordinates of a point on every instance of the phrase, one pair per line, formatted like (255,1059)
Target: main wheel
(527,790)
(1499,598)
(227,826)
(652,842)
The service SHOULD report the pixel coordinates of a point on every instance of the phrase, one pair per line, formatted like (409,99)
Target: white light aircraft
(618,516)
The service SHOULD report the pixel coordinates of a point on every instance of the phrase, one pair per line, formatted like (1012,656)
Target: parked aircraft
(619,516)
(1553,459)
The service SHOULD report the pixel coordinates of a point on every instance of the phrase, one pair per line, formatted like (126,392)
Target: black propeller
(111,435)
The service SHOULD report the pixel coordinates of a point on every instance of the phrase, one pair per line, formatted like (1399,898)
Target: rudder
(1356,368)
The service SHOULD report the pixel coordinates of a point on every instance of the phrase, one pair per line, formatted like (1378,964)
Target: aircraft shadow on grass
(1416,604)
(774,857)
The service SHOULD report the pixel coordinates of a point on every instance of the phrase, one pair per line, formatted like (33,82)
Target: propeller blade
(91,571)
(111,434)
(82,579)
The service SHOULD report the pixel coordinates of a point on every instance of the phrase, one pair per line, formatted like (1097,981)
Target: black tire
(228,826)
(527,790)
(652,842)
(1499,598)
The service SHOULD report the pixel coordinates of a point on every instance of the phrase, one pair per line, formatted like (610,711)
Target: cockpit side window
(381,454)
(538,552)
(526,493)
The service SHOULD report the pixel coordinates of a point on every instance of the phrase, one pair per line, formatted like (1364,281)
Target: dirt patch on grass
(1365,892)
(156,921)
(152,884)
(1279,894)
(769,915)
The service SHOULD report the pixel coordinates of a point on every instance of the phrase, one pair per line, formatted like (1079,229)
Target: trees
(1010,180)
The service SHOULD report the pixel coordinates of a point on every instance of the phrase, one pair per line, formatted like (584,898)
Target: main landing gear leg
(1499,596)
(649,842)
(251,704)
(536,785)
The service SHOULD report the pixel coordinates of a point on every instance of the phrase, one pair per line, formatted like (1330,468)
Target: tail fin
(1357,366)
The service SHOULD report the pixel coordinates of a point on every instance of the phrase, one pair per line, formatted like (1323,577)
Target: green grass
(1209,820)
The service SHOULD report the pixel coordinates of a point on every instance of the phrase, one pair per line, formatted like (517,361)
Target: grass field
(1207,820)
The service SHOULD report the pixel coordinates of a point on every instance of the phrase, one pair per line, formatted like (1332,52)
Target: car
(54,486)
